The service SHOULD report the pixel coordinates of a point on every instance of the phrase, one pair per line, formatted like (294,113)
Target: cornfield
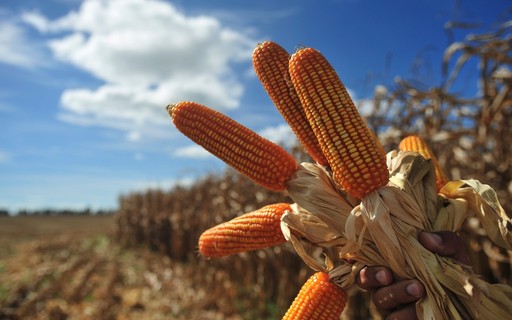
(469,135)
(171,223)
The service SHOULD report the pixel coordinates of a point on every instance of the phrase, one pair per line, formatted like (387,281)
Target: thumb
(446,244)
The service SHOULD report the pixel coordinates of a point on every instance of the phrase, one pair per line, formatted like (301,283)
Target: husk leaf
(383,229)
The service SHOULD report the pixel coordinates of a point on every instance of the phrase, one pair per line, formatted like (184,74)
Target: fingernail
(381,277)
(435,238)
(413,289)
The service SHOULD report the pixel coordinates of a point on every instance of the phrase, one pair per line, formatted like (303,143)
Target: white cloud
(128,106)
(36,20)
(15,46)
(133,136)
(365,107)
(281,134)
(149,54)
(192,151)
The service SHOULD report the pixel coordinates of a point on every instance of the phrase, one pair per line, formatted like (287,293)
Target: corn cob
(255,230)
(250,154)
(357,161)
(318,299)
(270,62)
(417,144)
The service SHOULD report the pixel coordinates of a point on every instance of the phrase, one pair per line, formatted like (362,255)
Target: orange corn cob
(255,230)
(270,61)
(358,162)
(243,149)
(318,299)
(417,144)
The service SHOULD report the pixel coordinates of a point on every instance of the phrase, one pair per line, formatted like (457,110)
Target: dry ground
(67,267)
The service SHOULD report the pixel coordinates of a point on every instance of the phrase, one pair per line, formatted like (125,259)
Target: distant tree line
(55,212)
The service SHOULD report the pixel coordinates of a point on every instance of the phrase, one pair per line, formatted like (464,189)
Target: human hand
(397,298)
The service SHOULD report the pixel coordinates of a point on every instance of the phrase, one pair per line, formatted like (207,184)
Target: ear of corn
(255,230)
(357,161)
(318,299)
(417,144)
(270,62)
(376,231)
(250,154)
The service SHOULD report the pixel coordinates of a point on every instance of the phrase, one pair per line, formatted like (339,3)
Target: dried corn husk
(333,234)
(483,203)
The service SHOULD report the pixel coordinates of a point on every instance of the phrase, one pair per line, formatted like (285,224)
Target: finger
(446,244)
(370,278)
(398,293)
(406,313)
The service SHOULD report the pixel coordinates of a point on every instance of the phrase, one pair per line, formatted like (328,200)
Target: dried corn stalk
(336,233)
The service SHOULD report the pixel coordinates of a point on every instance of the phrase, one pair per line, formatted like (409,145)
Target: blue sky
(83,84)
